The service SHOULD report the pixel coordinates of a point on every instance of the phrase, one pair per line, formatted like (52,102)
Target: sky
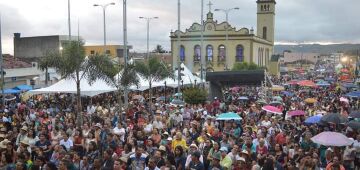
(297,21)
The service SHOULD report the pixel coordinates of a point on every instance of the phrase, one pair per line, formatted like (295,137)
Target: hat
(177,111)
(157,112)
(24,128)
(166,133)
(25,142)
(2,135)
(162,148)
(169,138)
(4,143)
(223,149)
(329,149)
(123,159)
(245,152)
(217,156)
(239,158)
(193,145)
(196,154)
(98,125)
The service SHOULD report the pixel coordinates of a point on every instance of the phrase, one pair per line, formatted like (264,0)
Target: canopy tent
(11,91)
(186,76)
(69,86)
(23,87)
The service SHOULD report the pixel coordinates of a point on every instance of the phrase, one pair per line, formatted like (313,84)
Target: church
(223,44)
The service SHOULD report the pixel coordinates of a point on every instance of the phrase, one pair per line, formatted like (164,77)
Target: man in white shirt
(68,143)
(90,109)
(157,123)
(119,130)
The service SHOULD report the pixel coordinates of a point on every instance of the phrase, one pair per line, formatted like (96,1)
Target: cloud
(296,21)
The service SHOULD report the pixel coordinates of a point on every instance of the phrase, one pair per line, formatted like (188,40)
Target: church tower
(266,19)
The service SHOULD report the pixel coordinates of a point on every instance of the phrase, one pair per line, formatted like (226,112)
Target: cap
(193,145)
(24,128)
(169,138)
(239,158)
(98,125)
(223,149)
(162,148)
(245,152)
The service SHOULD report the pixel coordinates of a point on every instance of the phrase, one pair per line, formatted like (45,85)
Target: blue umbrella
(23,87)
(353,94)
(11,91)
(228,116)
(313,119)
(329,79)
(286,93)
(323,83)
(349,85)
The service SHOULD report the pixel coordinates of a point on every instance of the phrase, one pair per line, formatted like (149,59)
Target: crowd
(43,134)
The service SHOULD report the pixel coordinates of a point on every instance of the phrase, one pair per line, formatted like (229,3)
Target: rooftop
(11,62)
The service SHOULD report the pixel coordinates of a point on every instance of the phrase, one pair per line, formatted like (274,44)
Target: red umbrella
(292,82)
(306,83)
(296,113)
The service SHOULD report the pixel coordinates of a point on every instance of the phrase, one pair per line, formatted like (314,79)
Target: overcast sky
(326,21)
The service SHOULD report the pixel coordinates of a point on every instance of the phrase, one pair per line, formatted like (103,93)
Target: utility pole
(125,47)
(69,21)
(2,69)
(202,56)
(179,48)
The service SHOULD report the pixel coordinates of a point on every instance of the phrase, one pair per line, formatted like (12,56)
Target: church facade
(223,44)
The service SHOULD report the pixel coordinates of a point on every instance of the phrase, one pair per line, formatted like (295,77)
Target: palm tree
(153,70)
(73,64)
(47,61)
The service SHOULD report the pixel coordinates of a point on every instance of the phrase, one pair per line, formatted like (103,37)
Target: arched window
(197,53)
(182,53)
(222,53)
(268,8)
(264,33)
(239,53)
(262,7)
(209,53)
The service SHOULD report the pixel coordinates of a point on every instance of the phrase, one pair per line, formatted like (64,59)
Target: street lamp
(227,11)
(103,6)
(165,92)
(148,19)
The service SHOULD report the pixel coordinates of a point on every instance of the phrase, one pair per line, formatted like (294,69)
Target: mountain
(317,48)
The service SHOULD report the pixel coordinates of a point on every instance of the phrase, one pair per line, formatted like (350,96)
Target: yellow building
(243,45)
(112,50)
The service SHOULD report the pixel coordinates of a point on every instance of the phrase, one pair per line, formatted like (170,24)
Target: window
(239,53)
(209,53)
(222,53)
(262,7)
(268,8)
(92,52)
(264,33)
(107,51)
(197,53)
(182,53)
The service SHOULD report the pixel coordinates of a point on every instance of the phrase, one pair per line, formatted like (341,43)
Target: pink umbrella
(343,99)
(272,109)
(296,113)
(332,139)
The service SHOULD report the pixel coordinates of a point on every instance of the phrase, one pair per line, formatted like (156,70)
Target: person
(66,142)
(152,165)
(195,163)
(335,164)
(240,163)
(225,161)
(108,162)
(180,159)
(215,162)
(178,141)
(138,159)
(193,149)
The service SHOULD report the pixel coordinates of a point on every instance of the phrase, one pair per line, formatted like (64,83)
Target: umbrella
(286,93)
(228,116)
(137,97)
(334,118)
(178,94)
(261,101)
(332,139)
(277,88)
(272,109)
(355,114)
(277,98)
(243,98)
(177,102)
(329,79)
(353,94)
(306,83)
(23,87)
(314,119)
(323,83)
(348,85)
(343,99)
(296,113)
(354,125)
(11,91)
(292,82)
(310,100)
(275,102)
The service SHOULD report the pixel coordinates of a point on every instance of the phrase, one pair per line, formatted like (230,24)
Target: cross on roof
(210,4)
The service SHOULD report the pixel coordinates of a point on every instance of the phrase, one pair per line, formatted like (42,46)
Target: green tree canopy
(195,95)
(245,66)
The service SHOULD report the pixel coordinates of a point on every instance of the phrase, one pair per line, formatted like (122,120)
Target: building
(38,46)
(243,45)
(18,72)
(293,58)
(113,50)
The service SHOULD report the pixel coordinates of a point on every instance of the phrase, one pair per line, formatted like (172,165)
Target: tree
(153,70)
(47,61)
(73,64)
(159,49)
(245,66)
(195,95)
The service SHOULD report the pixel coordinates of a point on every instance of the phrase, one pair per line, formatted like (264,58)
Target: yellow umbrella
(277,88)
(310,100)
(25,96)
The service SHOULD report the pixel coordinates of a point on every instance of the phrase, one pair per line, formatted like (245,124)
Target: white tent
(69,86)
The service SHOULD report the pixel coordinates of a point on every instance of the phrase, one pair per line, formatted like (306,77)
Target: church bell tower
(266,19)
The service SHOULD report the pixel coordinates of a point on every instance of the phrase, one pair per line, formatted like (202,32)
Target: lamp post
(227,11)
(148,19)
(69,21)
(165,92)
(2,69)
(195,82)
(182,84)
(125,52)
(103,6)
(179,46)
